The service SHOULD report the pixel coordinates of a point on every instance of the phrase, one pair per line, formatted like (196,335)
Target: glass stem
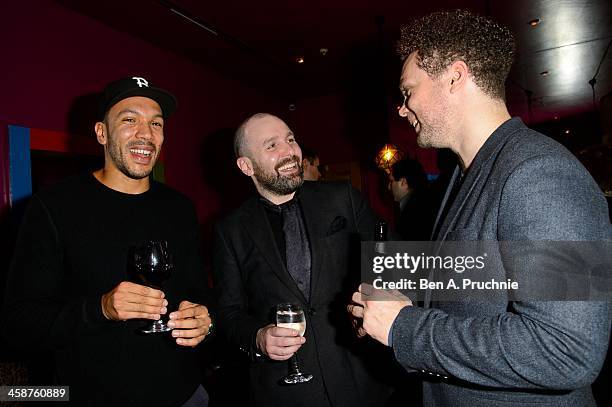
(293,364)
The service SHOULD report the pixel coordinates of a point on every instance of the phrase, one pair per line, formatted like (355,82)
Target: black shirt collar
(279,208)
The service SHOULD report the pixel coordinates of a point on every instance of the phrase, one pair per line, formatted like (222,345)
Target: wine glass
(151,264)
(292,316)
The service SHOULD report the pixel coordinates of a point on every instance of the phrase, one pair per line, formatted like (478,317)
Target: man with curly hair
(512,184)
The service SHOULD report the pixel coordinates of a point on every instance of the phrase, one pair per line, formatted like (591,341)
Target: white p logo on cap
(141,81)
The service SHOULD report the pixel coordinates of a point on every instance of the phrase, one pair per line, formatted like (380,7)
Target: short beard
(276,183)
(118,157)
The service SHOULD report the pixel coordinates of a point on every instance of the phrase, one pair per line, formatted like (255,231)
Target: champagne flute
(292,316)
(151,265)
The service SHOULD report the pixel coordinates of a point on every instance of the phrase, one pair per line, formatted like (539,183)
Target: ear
(404,183)
(458,75)
(100,130)
(305,163)
(245,165)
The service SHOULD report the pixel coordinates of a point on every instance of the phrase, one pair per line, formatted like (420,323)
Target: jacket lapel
(255,221)
(480,164)
(445,201)
(313,211)
(466,188)
(472,178)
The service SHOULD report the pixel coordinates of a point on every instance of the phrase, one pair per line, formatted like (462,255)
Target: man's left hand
(378,309)
(191,323)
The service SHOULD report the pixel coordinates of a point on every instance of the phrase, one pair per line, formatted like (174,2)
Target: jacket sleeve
(37,311)
(540,344)
(238,326)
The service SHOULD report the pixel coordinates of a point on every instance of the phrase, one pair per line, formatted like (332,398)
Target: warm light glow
(534,22)
(387,156)
(299,60)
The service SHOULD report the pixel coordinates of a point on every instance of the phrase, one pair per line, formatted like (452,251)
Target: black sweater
(71,249)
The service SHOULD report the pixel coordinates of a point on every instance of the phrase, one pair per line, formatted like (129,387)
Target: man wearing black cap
(69,291)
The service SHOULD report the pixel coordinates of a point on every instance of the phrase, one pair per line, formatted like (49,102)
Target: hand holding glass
(151,264)
(292,316)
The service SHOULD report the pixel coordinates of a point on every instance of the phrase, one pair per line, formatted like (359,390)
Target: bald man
(290,244)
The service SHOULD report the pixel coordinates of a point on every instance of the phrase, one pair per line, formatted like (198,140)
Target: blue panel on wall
(20,168)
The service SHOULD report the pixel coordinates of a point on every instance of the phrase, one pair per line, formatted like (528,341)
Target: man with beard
(69,288)
(512,185)
(290,244)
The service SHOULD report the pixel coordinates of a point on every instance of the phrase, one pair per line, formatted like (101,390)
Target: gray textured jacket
(521,186)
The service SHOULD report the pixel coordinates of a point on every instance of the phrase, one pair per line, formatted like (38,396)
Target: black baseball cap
(124,88)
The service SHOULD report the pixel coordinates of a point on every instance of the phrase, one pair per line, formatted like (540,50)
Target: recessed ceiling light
(556,117)
(534,22)
(544,73)
(323,51)
(299,60)
(567,131)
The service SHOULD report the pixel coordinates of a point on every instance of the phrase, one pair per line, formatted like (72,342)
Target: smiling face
(425,107)
(311,169)
(132,135)
(273,157)
(398,188)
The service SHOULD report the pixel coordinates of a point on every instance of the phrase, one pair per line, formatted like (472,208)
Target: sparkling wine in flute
(286,320)
(292,316)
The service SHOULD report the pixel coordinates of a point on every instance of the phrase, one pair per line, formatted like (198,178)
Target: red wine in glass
(151,264)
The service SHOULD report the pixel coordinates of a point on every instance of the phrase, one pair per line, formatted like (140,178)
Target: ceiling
(258,42)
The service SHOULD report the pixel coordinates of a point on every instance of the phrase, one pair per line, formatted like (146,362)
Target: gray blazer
(521,186)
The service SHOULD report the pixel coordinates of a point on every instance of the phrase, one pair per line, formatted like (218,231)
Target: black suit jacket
(251,279)
(416,219)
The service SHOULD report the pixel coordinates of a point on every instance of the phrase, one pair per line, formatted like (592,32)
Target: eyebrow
(269,139)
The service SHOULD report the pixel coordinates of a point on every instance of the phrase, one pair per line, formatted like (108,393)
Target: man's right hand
(278,343)
(133,301)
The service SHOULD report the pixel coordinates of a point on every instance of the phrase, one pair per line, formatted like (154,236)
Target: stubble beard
(435,131)
(118,156)
(432,135)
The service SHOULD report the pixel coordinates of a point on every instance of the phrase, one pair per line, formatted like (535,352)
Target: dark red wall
(54,59)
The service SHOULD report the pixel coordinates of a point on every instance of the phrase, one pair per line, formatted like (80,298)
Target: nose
(289,149)
(403,111)
(144,131)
